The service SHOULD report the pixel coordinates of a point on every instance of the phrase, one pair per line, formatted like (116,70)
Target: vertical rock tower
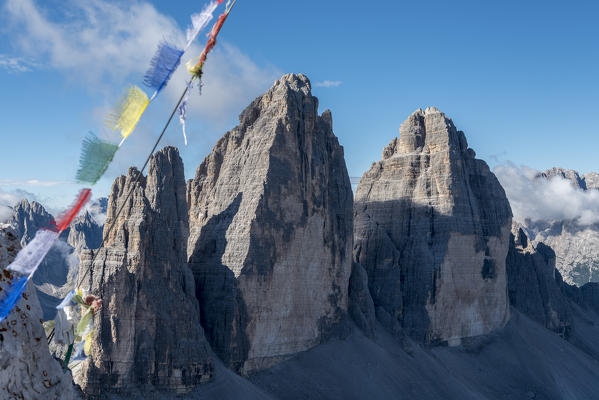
(148,334)
(432,229)
(270,214)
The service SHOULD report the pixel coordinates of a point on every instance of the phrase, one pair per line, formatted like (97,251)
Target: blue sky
(520,78)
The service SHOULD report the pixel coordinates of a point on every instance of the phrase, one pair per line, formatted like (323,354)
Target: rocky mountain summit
(576,245)
(432,226)
(28,218)
(270,216)
(588,181)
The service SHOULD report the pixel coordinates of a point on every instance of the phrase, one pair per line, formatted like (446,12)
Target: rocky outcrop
(270,212)
(148,334)
(431,228)
(361,306)
(535,286)
(27,370)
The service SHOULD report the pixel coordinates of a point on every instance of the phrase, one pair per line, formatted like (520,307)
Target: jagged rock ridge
(271,230)
(28,218)
(148,334)
(431,228)
(588,181)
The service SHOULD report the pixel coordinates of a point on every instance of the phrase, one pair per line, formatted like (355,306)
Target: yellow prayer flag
(87,346)
(128,111)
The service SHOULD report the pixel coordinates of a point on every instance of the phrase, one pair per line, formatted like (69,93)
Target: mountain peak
(428,131)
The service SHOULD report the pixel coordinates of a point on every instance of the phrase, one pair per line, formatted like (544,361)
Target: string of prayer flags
(65,219)
(199,21)
(168,57)
(163,64)
(84,330)
(96,155)
(65,320)
(128,111)
(195,68)
(183,110)
(12,296)
(29,258)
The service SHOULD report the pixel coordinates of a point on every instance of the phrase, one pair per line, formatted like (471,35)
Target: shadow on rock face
(222,309)
(411,252)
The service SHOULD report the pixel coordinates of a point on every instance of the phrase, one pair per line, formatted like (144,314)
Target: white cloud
(96,39)
(31,182)
(8,199)
(328,83)
(553,199)
(16,64)
(102,42)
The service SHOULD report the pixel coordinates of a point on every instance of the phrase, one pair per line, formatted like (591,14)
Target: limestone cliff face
(431,228)
(148,334)
(27,370)
(535,285)
(270,213)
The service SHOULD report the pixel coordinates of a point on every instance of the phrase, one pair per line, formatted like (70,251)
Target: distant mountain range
(576,245)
